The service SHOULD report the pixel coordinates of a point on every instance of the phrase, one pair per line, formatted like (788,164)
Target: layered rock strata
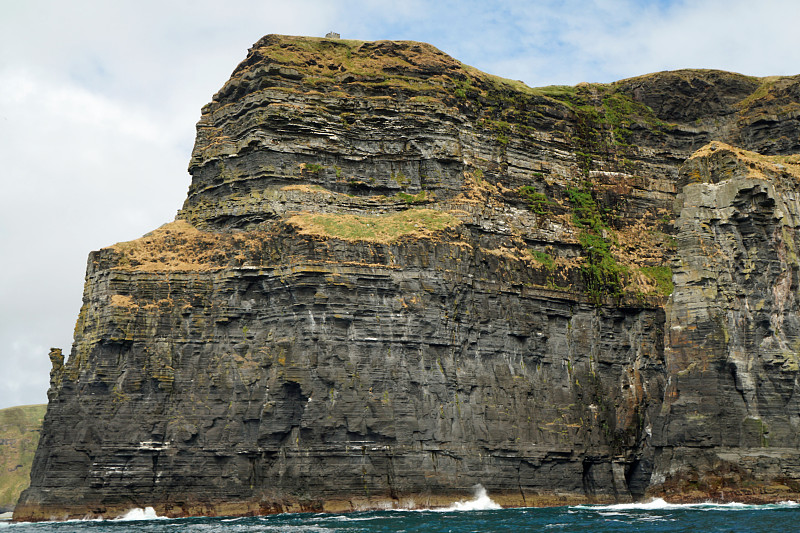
(395,277)
(730,415)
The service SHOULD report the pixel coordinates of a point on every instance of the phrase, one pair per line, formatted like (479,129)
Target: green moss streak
(602,274)
(662,275)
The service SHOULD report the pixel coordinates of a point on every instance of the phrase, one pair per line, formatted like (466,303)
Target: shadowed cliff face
(395,277)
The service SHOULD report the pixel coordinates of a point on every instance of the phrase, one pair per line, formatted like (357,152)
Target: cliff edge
(395,277)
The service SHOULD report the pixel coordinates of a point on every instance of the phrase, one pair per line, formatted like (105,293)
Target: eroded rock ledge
(395,277)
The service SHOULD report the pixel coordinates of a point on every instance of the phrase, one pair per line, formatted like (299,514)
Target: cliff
(19,435)
(395,276)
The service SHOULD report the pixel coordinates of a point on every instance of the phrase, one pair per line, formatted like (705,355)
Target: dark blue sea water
(655,516)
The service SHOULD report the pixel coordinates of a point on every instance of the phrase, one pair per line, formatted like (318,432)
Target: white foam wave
(343,518)
(283,528)
(481,502)
(659,504)
(148,513)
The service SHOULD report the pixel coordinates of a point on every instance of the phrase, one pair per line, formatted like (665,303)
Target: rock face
(19,435)
(730,412)
(395,277)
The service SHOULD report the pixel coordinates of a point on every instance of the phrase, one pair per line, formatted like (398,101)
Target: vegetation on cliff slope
(180,247)
(414,223)
(354,89)
(598,121)
(19,436)
(700,166)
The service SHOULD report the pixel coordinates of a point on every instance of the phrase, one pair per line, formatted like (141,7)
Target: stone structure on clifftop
(395,276)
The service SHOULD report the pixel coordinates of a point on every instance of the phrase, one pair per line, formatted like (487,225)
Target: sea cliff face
(395,277)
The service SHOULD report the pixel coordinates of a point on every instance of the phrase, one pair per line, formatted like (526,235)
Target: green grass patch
(585,212)
(544,258)
(383,228)
(19,436)
(602,275)
(761,92)
(314,168)
(537,201)
(559,92)
(662,275)
(601,272)
(419,198)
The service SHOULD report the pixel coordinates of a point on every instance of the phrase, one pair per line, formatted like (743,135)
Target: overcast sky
(98,102)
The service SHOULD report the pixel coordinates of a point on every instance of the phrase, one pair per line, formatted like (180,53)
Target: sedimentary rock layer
(395,277)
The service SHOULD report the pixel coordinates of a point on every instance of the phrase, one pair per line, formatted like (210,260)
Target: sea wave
(148,513)
(660,504)
(481,502)
(294,528)
(345,518)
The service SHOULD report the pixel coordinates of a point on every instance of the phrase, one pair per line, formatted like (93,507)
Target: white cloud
(28,364)
(602,41)
(81,171)
(751,38)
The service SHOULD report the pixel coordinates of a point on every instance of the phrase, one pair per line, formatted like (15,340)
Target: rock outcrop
(395,277)
(730,415)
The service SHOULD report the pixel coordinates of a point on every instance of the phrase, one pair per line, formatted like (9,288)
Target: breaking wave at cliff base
(647,517)
(148,513)
(480,502)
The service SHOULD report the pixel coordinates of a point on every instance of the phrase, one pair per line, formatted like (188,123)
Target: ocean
(473,516)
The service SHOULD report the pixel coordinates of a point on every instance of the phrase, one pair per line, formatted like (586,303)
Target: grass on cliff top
(180,247)
(758,164)
(176,246)
(385,69)
(774,96)
(318,54)
(422,69)
(686,74)
(411,65)
(19,435)
(414,223)
(380,61)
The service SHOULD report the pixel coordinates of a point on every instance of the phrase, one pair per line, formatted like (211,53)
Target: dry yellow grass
(758,164)
(177,246)
(416,223)
(320,60)
(122,300)
(305,187)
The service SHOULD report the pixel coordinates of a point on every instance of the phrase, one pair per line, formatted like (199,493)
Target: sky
(99,98)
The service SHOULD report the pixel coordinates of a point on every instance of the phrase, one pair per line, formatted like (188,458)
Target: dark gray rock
(394,278)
